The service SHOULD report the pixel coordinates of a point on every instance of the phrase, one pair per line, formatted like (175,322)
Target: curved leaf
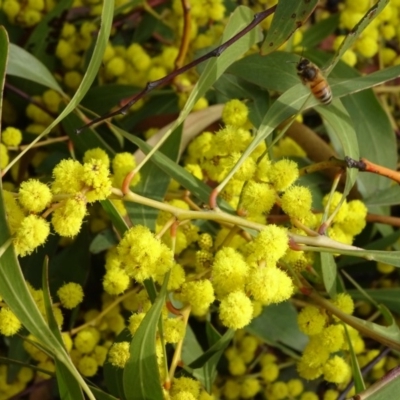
(141,378)
(25,65)
(288,17)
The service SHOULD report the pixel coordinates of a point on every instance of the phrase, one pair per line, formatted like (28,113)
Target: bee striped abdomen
(321,91)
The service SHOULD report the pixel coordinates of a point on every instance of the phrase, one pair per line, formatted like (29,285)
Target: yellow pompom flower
(4,157)
(73,79)
(355,220)
(11,8)
(34,196)
(119,354)
(332,394)
(52,100)
(134,322)
(307,372)
(311,320)
(236,310)
(96,177)
(269,372)
(176,278)
(229,271)
(367,46)
(67,219)
(185,384)
(122,164)
(115,67)
(296,202)
(315,354)
(88,366)
(282,174)
(11,136)
(257,197)
(9,323)
(70,295)
(97,154)
(350,58)
(384,268)
(269,285)
(309,396)
(86,340)
(336,370)
(174,330)
(332,337)
(278,390)
(67,177)
(334,201)
(287,147)
(269,246)
(14,212)
(199,294)
(250,387)
(116,281)
(344,302)
(235,113)
(231,389)
(227,141)
(32,232)
(144,255)
(295,387)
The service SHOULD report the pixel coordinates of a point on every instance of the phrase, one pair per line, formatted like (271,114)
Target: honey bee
(312,76)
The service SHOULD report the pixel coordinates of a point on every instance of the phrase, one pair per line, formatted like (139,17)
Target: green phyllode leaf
(141,378)
(288,17)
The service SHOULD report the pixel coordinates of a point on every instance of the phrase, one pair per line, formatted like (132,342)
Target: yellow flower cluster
(28,13)
(376,37)
(327,338)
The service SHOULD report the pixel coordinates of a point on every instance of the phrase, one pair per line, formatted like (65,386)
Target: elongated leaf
(356,373)
(25,65)
(141,378)
(350,39)
(288,17)
(329,273)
